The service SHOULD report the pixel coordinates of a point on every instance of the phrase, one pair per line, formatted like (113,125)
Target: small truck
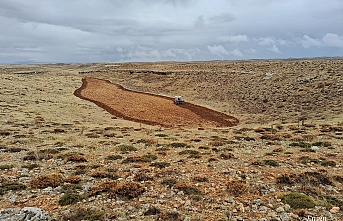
(178,100)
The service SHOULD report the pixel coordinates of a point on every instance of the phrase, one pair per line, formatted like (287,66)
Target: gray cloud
(152,30)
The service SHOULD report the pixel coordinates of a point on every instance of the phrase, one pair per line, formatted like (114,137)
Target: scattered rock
(25,214)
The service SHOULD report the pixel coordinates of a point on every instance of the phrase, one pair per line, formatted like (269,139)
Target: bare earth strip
(149,108)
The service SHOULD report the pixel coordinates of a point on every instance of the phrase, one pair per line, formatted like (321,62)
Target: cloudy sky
(69,31)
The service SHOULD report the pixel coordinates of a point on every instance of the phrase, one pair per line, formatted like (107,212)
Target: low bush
(237,187)
(114,157)
(189,190)
(76,158)
(169,182)
(177,145)
(152,211)
(6,167)
(272,163)
(70,198)
(129,189)
(160,164)
(327,163)
(298,200)
(14,186)
(126,148)
(46,180)
(190,153)
(73,179)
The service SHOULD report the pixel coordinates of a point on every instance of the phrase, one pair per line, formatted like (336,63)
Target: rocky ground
(69,158)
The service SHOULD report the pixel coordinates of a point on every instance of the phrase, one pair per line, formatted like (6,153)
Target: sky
(83,31)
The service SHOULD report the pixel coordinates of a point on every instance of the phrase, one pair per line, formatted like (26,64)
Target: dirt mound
(149,108)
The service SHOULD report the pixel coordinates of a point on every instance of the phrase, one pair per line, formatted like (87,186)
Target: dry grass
(46,180)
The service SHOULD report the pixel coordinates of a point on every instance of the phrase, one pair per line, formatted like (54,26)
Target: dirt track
(149,108)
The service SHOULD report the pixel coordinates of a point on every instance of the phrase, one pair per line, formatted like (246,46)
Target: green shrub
(114,157)
(160,164)
(298,200)
(161,135)
(169,182)
(4,187)
(70,198)
(177,145)
(190,153)
(31,166)
(327,163)
(6,167)
(301,144)
(148,157)
(322,144)
(126,148)
(272,163)
(189,190)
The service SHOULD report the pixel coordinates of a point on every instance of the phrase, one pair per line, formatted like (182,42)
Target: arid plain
(280,159)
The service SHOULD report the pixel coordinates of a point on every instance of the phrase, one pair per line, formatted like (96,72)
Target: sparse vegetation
(78,162)
(85,214)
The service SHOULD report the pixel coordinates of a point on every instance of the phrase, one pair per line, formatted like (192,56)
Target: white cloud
(141,53)
(236,52)
(270,41)
(275,49)
(329,40)
(333,40)
(220,51)
(309,42)
(233,38)
(250,51)
(217,50)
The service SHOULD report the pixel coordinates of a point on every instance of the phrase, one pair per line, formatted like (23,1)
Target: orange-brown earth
(149,108)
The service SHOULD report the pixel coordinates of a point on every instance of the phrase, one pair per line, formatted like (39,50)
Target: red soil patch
(149,108)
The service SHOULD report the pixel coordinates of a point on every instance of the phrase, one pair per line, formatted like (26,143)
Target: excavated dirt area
(149,108)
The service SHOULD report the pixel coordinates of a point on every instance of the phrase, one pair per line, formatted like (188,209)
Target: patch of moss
(160,164)
(4,187)
(126,148)
(6,167)
(114,157)
(298,200)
